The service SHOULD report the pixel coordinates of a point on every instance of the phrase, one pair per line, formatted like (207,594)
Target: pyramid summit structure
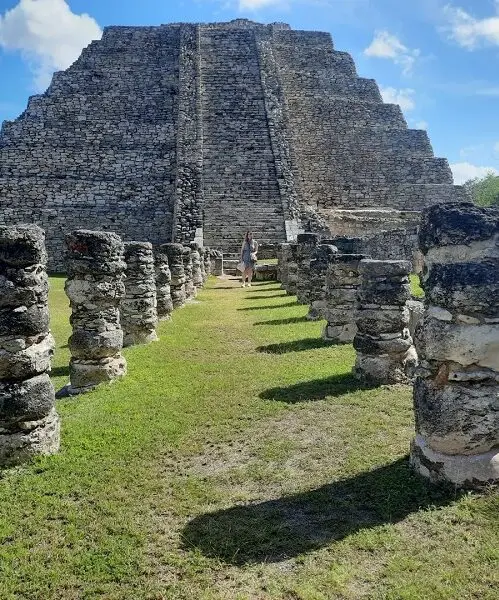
(202,131)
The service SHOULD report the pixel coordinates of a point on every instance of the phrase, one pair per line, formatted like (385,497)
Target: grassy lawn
(238,460)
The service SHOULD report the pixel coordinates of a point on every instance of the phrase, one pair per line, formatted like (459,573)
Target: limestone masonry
(200,131)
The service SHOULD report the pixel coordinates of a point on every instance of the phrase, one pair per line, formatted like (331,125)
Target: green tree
(484,190)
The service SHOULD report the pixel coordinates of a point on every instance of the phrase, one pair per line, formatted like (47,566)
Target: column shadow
(287,321)
(277,530)
(294,346)
(285,305)
(316,389)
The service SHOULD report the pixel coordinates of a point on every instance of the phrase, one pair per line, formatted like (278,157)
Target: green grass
(416,289)
(237,460)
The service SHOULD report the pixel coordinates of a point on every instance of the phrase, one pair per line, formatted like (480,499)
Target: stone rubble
(385,349)
(342,281)
(456,392)
(95,288)
(29,424)
(138,309)
(175,253)
(164,303)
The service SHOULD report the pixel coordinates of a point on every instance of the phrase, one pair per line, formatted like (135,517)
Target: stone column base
(30,439)
(472,471)
(88,374)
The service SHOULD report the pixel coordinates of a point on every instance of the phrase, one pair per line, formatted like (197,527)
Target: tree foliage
(484,190)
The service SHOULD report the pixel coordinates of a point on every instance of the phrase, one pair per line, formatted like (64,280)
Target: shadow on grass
(317,389)
(287,321)
(281,295)
(60,371)
(294,346)
(285,305)
(277,530)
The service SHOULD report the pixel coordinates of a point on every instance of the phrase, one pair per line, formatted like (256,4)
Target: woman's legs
(250,275)
(248,272)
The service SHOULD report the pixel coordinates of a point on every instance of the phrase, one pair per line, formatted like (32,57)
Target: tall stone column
(138,312)
(283,258)
(385,350)
(217,263)
(292,269)
(95,290)
(29,424)
(306,243)
(321,257)
(190,288)
(456,393)
(175,253)
(197,274)
(207,262)
(342,282)
(164,303)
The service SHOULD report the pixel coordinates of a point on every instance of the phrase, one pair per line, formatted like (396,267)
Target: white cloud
(464,170)
(256,4)
(48,34)
(386,45)
(468,31)
(421,125)
(404,97)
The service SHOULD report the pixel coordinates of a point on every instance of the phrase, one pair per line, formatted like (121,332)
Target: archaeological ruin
(196,132)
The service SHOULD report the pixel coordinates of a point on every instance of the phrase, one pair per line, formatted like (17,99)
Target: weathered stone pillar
(321,257)
(95,289)
(342,281)
(217,263)
(207,262)
(306,243)
(138,312)
(190,288)
(385,350)
(456,393)
(283,258)
(197,274)
(292,269)
(163,275)
(29,424)
(175,253)
(202,265)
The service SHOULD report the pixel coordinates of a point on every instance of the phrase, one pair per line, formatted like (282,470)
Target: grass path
(237,460)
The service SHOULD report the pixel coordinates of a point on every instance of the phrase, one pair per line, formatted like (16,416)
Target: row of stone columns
(117,292)
(367,302)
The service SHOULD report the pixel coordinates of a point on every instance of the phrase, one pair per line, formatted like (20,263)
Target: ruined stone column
(306,243)
(29,424)
(175,253)
(292,267)
(319,262)
(217,263)
(95,289)
(138,312)
(385,350)
(164,304)
(190,288)
(197,274)
(207,262)
(342,281)
(456,392)
(284,254)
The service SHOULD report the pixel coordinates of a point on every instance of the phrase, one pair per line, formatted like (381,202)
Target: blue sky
(438,59)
